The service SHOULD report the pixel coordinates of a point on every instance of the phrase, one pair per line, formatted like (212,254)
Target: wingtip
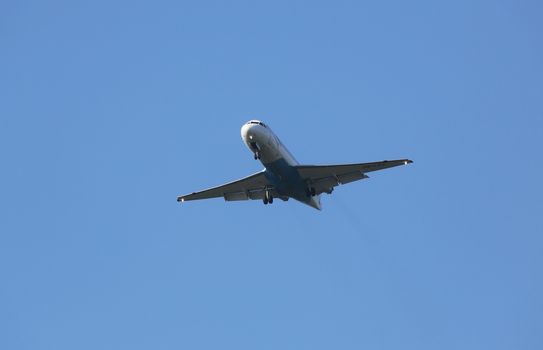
(408,161)
(180,199)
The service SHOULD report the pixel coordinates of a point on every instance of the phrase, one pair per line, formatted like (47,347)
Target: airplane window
(256,122)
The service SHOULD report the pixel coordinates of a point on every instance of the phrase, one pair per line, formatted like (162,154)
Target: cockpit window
(257,122)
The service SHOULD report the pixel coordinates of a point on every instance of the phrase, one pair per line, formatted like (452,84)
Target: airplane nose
(254,131)
(245,131)
(249,132)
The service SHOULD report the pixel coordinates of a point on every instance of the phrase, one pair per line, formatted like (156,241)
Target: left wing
(324,177)
(250,187)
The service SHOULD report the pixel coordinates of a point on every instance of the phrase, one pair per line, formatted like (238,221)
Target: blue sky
(109,110)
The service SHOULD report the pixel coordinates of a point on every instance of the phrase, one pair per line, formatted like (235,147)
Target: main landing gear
(310,192)
(257,155)
(268,198)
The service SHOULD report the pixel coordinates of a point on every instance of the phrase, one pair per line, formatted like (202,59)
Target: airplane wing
(324,177)
(250,187)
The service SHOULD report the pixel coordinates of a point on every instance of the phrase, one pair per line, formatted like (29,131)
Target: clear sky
(110,109)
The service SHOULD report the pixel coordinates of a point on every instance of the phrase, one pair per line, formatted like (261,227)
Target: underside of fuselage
(288,183)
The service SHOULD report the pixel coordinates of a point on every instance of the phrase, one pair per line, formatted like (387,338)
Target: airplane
(283,177)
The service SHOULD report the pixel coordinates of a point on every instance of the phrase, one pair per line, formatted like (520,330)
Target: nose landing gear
(256,150)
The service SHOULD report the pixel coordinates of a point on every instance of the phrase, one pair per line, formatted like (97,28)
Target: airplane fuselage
(279,163)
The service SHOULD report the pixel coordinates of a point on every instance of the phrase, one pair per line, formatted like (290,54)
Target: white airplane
(283,177)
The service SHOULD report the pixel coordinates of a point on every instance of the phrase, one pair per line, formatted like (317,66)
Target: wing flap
(246,195)
(236,196)
(326,184)
(350,177)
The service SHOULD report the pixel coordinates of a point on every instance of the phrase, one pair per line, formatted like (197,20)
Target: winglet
(180,199)
(408,161)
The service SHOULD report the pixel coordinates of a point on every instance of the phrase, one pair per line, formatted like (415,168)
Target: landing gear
(310,192)
(256,150)
(268,198)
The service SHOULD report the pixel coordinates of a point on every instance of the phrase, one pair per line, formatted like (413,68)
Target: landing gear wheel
(265,200)
(313,192)
(268,198)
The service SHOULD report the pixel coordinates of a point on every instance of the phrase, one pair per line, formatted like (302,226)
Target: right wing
(250,187)
(324,177)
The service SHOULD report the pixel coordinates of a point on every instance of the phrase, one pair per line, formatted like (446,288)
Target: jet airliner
(283,177)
